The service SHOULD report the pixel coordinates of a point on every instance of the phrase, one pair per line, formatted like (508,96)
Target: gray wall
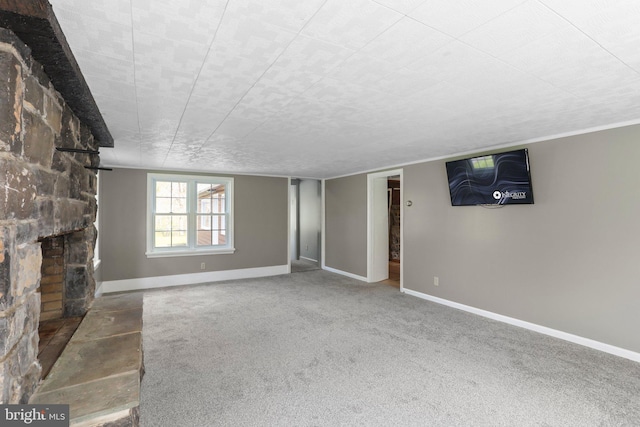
(310,226)
(346,224)
(260,218)
(569,262)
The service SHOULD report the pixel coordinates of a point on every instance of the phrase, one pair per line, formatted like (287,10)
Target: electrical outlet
(436,281)
(202,266)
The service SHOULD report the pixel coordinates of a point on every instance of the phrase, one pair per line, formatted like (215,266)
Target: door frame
(373,249)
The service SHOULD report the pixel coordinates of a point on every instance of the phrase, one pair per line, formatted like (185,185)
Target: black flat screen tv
(494,179)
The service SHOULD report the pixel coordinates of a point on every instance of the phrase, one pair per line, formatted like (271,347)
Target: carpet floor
(301,265)
(319,349)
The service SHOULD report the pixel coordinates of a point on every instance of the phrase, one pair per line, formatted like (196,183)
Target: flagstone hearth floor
(54,336)
(99,371)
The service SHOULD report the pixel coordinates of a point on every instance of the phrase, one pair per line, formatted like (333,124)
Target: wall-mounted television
(493,179)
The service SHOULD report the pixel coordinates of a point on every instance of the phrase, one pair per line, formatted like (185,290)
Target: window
(189,215)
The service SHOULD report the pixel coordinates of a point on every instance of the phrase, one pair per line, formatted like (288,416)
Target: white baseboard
(98,289)
(607,348)
(308,259)
(344,273)
(190,279)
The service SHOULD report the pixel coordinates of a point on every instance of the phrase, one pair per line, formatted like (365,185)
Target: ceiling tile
(515,28)
(362,69)
(401,6)
(251,37)
(189,21)
(302,64)
(405,41)
(456,18)
(351,24)
(611,24)
(405,82)
(288,14)
(235,127)
(117,12)
(200,119)
(565,54)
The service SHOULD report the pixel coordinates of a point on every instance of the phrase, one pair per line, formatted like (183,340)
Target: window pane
(179,189)
(219,237)
(163,223)
(204,205)
(163,205)
(218,204)
(178,238)
(204,222)
(163,239)
(219,222)
(163,189)
(204,238)
(179,205)
(204,191)
(179,223)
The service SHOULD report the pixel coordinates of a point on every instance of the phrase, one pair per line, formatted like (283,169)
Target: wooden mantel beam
(34,22)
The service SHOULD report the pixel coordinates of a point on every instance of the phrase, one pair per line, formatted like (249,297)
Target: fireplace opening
(56,325)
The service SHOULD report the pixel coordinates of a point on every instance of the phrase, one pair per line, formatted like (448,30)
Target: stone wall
(43,192)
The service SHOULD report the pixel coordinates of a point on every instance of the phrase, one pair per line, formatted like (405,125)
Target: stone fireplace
(51,288)
(47,206)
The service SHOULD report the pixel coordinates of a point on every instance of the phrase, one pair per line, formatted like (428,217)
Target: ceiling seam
(260,78)
(589,37)
(135,82)
(195,81)
(355,51)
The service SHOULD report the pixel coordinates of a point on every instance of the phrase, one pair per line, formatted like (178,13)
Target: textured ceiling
(322,88)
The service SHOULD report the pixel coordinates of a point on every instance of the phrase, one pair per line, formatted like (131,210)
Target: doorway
(293,221)
(383,243)
(305,224)
(394,207)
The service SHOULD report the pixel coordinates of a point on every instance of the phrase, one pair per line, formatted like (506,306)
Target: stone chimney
(43,192)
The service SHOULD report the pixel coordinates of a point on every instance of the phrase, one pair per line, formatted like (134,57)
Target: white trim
(402,231)
(96,264)
(587,342)
(198,171)
(323,225)
(370,229)
(191,249)
(195,252)
(498,146)
(308,259)
(289,224)
(344,273)
(98,290)
(190,278)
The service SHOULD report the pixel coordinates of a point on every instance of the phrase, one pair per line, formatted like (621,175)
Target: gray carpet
(301,265)
(318,349)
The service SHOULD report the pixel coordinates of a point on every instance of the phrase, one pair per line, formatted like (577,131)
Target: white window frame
(192,202)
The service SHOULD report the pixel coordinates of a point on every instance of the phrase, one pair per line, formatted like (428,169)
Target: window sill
(168,254)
